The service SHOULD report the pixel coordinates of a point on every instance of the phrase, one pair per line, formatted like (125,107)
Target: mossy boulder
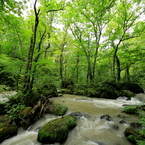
(57,109)
(7,132)
(24,119)
(25,112)
(132,135)
(56,130)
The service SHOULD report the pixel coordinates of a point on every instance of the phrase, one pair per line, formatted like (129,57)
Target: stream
(91,130)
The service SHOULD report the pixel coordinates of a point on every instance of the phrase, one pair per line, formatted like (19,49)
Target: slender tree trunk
(127,73)
(61,67)
(77,68)
(118,68)
(27,86)
(89,71)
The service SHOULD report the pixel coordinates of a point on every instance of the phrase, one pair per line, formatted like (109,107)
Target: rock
(132,135)
(115,126)
(122,122)
(79,114)
(106,117)
(7,132)
(100,143)
(56,130)
(57,109)
(121,116)
(24,119)
(135,124)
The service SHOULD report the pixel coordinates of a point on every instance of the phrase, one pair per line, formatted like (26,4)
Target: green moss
(25,112)
(132,138)
(57,109)
(56,130)
(134,109)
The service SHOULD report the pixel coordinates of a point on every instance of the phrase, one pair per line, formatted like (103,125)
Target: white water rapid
(91,130)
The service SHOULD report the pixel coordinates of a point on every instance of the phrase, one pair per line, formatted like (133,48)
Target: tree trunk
(127,73)
(118,68)
(27,86)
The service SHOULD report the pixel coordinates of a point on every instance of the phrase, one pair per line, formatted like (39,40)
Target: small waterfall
(91,130)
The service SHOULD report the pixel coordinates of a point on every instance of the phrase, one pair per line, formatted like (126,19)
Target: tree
(125,25)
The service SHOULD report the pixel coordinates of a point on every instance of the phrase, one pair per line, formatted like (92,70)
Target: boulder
(56,130)
(122,122)
(121,116)
(115,126)
(7,132)
(57,109)
(106,117)
(135,124)
(79,115)
(132,135)
(24,119)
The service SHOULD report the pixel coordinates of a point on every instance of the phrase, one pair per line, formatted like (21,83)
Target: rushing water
(4,96)
(91,130)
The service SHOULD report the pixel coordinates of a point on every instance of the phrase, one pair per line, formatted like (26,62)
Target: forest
(85,47)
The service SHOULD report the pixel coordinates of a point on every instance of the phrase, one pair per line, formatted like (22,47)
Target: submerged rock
(56,130)
(79,114)
(115,126)
(121,116)
(106,117)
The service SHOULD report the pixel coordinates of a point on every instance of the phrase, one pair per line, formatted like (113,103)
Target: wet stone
(115,126)
(121,116)
(135,124)
(122,122)
(100,143)
(106,117)
(79,115)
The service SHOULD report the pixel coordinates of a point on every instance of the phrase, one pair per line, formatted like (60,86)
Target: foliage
(14,106)
(134,109)
(4,88)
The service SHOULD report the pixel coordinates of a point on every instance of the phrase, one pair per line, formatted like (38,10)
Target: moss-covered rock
(57,109)
(132,135)
(24,119)
(56,130)
(7,132)
(25,112)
